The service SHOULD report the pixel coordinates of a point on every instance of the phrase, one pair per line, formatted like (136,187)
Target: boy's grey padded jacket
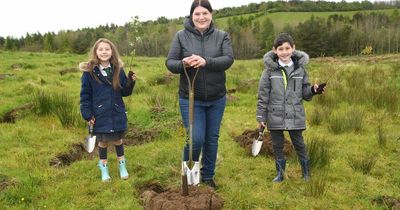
(215,47)
(282,108)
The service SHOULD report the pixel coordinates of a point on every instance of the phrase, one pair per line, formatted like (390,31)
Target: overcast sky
(17,17)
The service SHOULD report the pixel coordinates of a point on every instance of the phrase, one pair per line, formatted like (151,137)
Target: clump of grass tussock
(61,105)
(319,153)
(43,102)
(159,101)
(363,163)
(318,115)
(346,120)
(317,186)
(66,110)
(381,136)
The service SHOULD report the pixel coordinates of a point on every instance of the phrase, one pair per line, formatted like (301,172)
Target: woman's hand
(195,61)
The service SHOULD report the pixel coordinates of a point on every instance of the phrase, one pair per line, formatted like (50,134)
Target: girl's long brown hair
(115,62)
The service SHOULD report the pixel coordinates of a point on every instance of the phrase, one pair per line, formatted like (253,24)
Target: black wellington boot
(280,169)
(305,169)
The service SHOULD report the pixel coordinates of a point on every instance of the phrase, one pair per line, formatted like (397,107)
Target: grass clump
(363,163)
(319,153)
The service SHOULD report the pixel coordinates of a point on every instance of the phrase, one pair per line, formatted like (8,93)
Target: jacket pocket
(299,115)
(99,110)
(275,115)
(120,118)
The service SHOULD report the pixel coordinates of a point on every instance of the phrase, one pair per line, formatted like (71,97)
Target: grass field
(281,19)
(352,136)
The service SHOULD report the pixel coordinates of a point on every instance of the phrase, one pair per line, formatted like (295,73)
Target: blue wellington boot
(280,165)
(105,177)
(122,169)
(305,169)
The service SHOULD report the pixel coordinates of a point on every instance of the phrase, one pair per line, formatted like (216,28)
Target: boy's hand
(319,89)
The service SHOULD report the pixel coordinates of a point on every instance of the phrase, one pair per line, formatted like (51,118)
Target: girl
(103,85)
(282,88)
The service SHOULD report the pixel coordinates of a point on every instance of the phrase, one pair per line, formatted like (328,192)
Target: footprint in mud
(153,196)
(246,140)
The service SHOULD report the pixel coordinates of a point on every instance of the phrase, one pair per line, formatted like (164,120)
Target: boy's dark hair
(204,3)
(282,38)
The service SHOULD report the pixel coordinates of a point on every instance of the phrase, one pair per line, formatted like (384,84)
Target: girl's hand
(92,121)
(132,75)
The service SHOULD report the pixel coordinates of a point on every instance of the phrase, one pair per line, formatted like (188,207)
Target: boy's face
(284,52)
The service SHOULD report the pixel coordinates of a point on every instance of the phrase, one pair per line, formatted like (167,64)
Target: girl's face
(284,52)
(104,52)
(201,18)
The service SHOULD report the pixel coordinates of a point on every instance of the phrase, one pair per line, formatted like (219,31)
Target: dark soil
(16,113)
(5,181)
(68,70)
(389,201)
(246,140)
(155,197)
(76,153)
(134,136)
(3,76)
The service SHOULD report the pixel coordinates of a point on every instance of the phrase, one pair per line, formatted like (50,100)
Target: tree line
(252,35)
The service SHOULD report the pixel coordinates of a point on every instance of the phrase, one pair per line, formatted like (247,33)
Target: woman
(202,48)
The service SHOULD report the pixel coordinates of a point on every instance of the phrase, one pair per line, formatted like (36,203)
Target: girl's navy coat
(101,101)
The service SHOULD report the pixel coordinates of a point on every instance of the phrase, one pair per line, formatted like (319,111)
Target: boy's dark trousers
(297,140)
(298,143)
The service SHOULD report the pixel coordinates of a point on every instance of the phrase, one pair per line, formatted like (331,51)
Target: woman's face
(201,18)
(104,52)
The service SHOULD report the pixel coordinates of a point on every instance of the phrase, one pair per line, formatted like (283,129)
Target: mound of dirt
(246,140)
(155,197)
(76,153)
(5,181)
(16,113)
(389,201)
(134,136)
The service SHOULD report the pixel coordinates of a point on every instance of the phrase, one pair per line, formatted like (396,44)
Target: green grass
(344,174)
(281,19)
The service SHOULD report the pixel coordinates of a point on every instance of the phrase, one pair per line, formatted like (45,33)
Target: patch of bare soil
(5,181)
(134,136)
(246,140)
(389,201)
(3,76)
(76,153)
(68,70)
(16,113)
(155,197)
